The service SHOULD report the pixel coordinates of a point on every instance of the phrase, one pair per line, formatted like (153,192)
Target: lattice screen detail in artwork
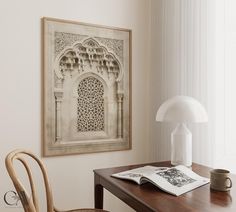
(90,105)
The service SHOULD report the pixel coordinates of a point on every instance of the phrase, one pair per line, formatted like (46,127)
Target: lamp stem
(181,146)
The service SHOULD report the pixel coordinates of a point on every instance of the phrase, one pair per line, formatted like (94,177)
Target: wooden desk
(147,197)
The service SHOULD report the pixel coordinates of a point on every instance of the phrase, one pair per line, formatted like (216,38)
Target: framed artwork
(86,88)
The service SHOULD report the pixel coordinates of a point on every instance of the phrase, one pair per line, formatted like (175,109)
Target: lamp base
(181,146)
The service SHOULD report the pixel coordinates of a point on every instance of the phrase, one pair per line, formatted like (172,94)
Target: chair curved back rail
(30,201)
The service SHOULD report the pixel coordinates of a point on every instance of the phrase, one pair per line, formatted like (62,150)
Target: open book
(175,180)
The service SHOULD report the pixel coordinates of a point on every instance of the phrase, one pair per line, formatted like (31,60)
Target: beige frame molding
(75,52)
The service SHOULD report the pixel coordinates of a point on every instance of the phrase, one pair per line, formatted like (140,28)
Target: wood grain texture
(149,198)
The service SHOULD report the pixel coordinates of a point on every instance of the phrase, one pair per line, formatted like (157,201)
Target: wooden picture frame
(86,88)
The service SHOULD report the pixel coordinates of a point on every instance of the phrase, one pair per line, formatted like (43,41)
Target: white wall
(20,91)
(182,54)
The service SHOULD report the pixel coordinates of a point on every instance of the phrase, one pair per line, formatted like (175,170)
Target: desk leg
(98,192)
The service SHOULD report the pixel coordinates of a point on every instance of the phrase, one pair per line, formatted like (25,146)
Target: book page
(176,180)
(136,174)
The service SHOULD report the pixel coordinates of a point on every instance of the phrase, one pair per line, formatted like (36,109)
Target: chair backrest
(29,201)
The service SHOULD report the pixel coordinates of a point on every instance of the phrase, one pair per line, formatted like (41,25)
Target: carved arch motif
(94,59)
(88,53)
(72,52)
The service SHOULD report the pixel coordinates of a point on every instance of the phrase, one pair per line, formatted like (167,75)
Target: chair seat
(87,210)
(84,210)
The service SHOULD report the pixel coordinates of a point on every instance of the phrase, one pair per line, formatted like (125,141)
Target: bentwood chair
(30,201)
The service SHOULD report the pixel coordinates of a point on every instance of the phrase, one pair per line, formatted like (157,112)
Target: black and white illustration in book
(176,177)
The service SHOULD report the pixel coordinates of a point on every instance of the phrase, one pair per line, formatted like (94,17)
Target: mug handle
(231,184)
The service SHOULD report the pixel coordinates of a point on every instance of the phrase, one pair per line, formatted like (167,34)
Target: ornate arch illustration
(88,92)
(95,60)
(87,53)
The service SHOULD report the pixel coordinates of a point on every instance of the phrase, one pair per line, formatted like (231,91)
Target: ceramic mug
(220,180)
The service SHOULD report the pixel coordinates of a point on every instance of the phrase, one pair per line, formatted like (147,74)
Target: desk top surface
(149,196)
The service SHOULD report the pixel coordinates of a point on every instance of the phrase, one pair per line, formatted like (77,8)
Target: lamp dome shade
(181,109)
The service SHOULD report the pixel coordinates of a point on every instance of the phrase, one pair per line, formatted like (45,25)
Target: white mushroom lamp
(181,110)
